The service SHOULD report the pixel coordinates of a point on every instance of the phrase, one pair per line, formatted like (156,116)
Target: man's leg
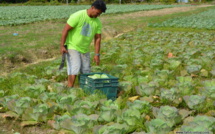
(85,63)
(71,80)
(73,66)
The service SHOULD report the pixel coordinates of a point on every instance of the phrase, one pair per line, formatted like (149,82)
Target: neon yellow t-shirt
(84,30)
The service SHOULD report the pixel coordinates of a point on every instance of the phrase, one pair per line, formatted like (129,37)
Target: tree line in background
(72,1)
(69,1)
(90,1)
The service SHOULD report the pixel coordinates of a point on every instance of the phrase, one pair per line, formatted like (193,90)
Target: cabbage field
(176,92)
(203,20)
(166,85)
(15,15)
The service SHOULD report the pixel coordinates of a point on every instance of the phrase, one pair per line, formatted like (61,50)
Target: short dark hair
(100,4)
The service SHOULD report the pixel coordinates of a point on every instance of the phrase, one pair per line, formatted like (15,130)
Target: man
(77,35)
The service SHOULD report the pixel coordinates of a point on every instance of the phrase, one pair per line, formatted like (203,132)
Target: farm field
(204,20)
(15,15)
(166,79)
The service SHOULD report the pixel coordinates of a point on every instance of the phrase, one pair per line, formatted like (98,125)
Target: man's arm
(97,43)
(63,38)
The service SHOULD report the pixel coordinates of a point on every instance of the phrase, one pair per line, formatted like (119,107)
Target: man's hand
(96,60)
(63,50)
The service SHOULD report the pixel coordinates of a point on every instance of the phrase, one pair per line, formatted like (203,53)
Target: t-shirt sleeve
(73,19)
(99,28)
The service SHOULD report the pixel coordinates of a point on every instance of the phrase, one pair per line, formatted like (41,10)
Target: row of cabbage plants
(203,20)
(15,15)
(170,74)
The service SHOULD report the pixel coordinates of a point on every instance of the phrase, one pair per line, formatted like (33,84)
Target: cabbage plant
(114,128)
(143,79)
(40,112)
(79,124)
(209,88)
(132,118)
(193,128)
(156,63)
(93,97)
(170,95)
(147,89)
(126,86)
(35,90)
(195,102)
(108,111)
(56,87)
(158,126)
(173,63)
(200,123)
(185,85)
(20,105)
(193,69)
(82,106)
(205,121)
(58,119)
(48,96)
(6,99)
(163,76)
(141,106)
(64,100)
(169,114)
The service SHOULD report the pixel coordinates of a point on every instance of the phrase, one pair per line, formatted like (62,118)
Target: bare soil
(10,127)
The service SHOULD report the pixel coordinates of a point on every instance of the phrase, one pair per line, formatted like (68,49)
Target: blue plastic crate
(108,86)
